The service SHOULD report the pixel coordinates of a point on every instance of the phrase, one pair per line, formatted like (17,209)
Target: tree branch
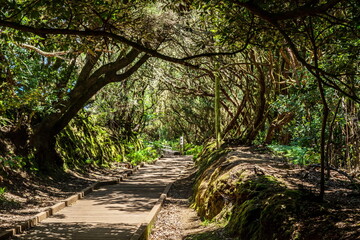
(299,12)
(42,32)
(132,70)
(43,53)
(273,19)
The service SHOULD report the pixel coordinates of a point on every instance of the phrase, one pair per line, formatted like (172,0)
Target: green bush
(191,149)
(14,162)
(296,154)
(148,154)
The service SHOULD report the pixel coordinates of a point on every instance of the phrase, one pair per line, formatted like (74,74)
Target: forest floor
(26,195)
(341,220)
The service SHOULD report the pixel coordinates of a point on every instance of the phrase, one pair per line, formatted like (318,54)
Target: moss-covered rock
(269,211)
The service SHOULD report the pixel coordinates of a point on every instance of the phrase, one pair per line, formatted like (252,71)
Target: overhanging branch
(42,32)
(302,11)
(43,53)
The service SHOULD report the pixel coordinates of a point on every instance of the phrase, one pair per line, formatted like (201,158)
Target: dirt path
(27,195)
(114,211)
(177,220)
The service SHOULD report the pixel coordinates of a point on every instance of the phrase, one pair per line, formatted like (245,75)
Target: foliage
(93,76)
(144,155)
(27,90)
(12,162)
(195,150)
(85,143)
(296,154)
(109,128)
(2,193)
(269,87)
(5,203)
(15,163)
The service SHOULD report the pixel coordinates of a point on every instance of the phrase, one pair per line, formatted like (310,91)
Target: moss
(211,197)
(212,183)
(251,206)
(278,215)
(261,207)
(270,210)
(210,157)
(244,219)
(257,187)
(252,197)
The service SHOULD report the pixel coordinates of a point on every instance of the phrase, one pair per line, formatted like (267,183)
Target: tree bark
(277,124)
(217,111)
(233,121)
(323,140)
(254,130)
(47,158)
(43,139)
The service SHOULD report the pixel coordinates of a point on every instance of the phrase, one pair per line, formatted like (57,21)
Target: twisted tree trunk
(88,84)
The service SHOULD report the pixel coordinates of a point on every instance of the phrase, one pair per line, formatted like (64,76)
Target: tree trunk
(48,160)
(217,111)
(323,140)
(278,124)
(43,140)
(233,121)
(261,106)
(18,137)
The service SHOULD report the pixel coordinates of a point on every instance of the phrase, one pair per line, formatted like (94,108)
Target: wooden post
(182,145)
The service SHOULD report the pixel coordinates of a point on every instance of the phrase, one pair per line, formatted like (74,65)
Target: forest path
(113,211)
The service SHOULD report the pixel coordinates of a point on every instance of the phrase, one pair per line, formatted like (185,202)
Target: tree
(132,31)
(95,73)
(123,35)
(292,23)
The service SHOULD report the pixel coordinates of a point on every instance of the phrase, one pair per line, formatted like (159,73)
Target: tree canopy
(287,74)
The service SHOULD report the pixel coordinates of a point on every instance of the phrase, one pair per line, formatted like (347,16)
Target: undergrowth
(194,150)
(6,203)
(83,143)
(296,154)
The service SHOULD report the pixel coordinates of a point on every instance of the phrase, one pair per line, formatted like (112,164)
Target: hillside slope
(256,196)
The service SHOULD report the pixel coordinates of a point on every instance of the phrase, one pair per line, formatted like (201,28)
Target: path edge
(36,219)
(144,229)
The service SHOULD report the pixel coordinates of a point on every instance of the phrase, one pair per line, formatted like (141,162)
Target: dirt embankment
(256,196)
(240,193)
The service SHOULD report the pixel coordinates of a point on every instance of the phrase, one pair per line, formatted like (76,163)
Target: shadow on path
(113,211)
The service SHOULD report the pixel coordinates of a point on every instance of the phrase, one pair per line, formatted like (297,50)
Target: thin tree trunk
(217,110)
(233,121)
(323,145)
(328,147)
(323,139)
(261,106)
